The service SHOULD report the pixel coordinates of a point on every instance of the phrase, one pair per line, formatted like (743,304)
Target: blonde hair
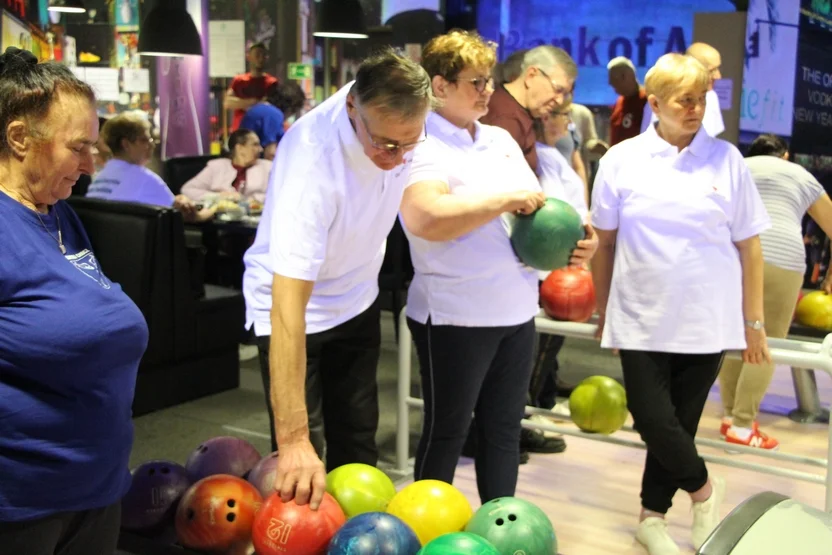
(673,73)
(447,55)
(127,125)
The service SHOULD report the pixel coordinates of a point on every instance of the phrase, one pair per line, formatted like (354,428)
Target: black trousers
(543,389)
(666,394)
(484,371)
(341,389)
(93,532)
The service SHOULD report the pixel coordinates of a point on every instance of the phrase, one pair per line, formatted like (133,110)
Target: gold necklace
(60,238)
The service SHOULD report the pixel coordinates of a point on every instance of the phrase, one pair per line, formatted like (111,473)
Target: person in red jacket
(250,88)
(625,121)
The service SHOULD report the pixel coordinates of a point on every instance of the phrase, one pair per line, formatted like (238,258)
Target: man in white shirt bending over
(311,280)
(712,60)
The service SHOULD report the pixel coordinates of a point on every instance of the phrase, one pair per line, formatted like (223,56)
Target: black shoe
(524,456)
(534,441)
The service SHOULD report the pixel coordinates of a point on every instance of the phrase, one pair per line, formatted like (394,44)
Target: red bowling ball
(568,294)
(282,528)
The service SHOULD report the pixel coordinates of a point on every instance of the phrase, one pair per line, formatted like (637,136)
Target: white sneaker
(561,409)
(540,419)
(652,534)
(706,514)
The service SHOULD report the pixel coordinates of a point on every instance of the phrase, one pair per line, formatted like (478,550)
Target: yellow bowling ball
(815,310)
(431,508)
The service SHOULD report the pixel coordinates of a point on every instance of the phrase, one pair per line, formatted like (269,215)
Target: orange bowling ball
(291,529)
(568,294)
(216,514)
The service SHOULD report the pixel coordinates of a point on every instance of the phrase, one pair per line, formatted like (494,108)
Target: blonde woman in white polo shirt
(311,280)
(679,280)
(472,302)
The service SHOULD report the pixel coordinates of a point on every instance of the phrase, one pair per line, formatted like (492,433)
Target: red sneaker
(723,428)
(756,439)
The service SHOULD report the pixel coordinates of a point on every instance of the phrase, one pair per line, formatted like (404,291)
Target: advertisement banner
(771,50)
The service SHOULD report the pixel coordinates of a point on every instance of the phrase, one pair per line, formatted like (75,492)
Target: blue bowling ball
(374,534)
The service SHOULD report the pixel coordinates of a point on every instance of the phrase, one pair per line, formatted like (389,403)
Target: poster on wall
(260,20)
(127,50)
(15,33)
(771,54)
(182,88)
(227,56)
(595,32)
(126,14)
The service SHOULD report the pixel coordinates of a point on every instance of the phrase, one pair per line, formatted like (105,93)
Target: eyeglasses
(480,83)
(391,149)
(562,92)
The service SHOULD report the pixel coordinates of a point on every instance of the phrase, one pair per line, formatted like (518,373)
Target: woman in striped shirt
(788,192)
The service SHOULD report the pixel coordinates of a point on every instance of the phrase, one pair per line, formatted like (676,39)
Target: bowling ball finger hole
(231,503)
(151,472)
(500,522)
(512,518)
(231,517)
(166,470)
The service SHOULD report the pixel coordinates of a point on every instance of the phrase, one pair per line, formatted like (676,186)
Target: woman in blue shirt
(70,339)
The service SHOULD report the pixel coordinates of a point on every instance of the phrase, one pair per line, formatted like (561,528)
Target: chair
(179,171)
(193,350)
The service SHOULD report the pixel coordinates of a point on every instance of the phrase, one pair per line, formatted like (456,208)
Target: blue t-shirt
(125,182)
(70,346)
(266,121)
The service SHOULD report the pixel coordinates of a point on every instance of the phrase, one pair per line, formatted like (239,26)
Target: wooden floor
(591,491)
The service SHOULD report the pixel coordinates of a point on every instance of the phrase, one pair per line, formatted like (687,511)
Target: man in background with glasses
(311,280)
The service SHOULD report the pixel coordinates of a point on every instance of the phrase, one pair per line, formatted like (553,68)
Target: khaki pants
(743,386)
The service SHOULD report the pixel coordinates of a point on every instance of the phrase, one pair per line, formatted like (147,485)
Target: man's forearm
(287,365)
(234,103)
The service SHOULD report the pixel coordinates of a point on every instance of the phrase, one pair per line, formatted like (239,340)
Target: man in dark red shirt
(545,82)
(628,111)
(250,88)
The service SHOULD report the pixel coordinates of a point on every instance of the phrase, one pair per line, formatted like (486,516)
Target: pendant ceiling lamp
(169,30)
(67,6)
(340,19)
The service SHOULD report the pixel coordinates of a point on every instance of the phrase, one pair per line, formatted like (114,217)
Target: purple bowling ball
(154,494)
(222,455)
(262,475)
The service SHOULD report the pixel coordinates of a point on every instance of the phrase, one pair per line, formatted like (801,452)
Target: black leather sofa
(193,349)
(178,171)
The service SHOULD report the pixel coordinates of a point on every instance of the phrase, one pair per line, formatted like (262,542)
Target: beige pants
(743,386)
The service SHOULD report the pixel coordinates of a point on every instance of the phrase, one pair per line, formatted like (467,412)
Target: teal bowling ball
(545,240)
(514,527)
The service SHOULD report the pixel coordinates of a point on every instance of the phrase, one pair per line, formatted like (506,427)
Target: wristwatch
(755,325)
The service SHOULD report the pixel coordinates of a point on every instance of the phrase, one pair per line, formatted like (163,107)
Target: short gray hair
(510,69)
(548,58)
(621,61)
(394,84)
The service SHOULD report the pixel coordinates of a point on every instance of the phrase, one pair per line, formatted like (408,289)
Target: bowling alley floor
(590,491)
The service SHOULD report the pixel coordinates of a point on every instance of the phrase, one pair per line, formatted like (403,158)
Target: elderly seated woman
(125,178)
(679,281)
(243,176)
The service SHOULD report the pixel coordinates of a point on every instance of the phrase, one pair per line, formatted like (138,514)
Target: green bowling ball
(514,527)
(598,405)
(459,543)
(545,240)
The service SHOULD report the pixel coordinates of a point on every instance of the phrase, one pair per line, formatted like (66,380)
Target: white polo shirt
(712,122)
(326,218)
(559,179)
(677,279)
(475,280)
